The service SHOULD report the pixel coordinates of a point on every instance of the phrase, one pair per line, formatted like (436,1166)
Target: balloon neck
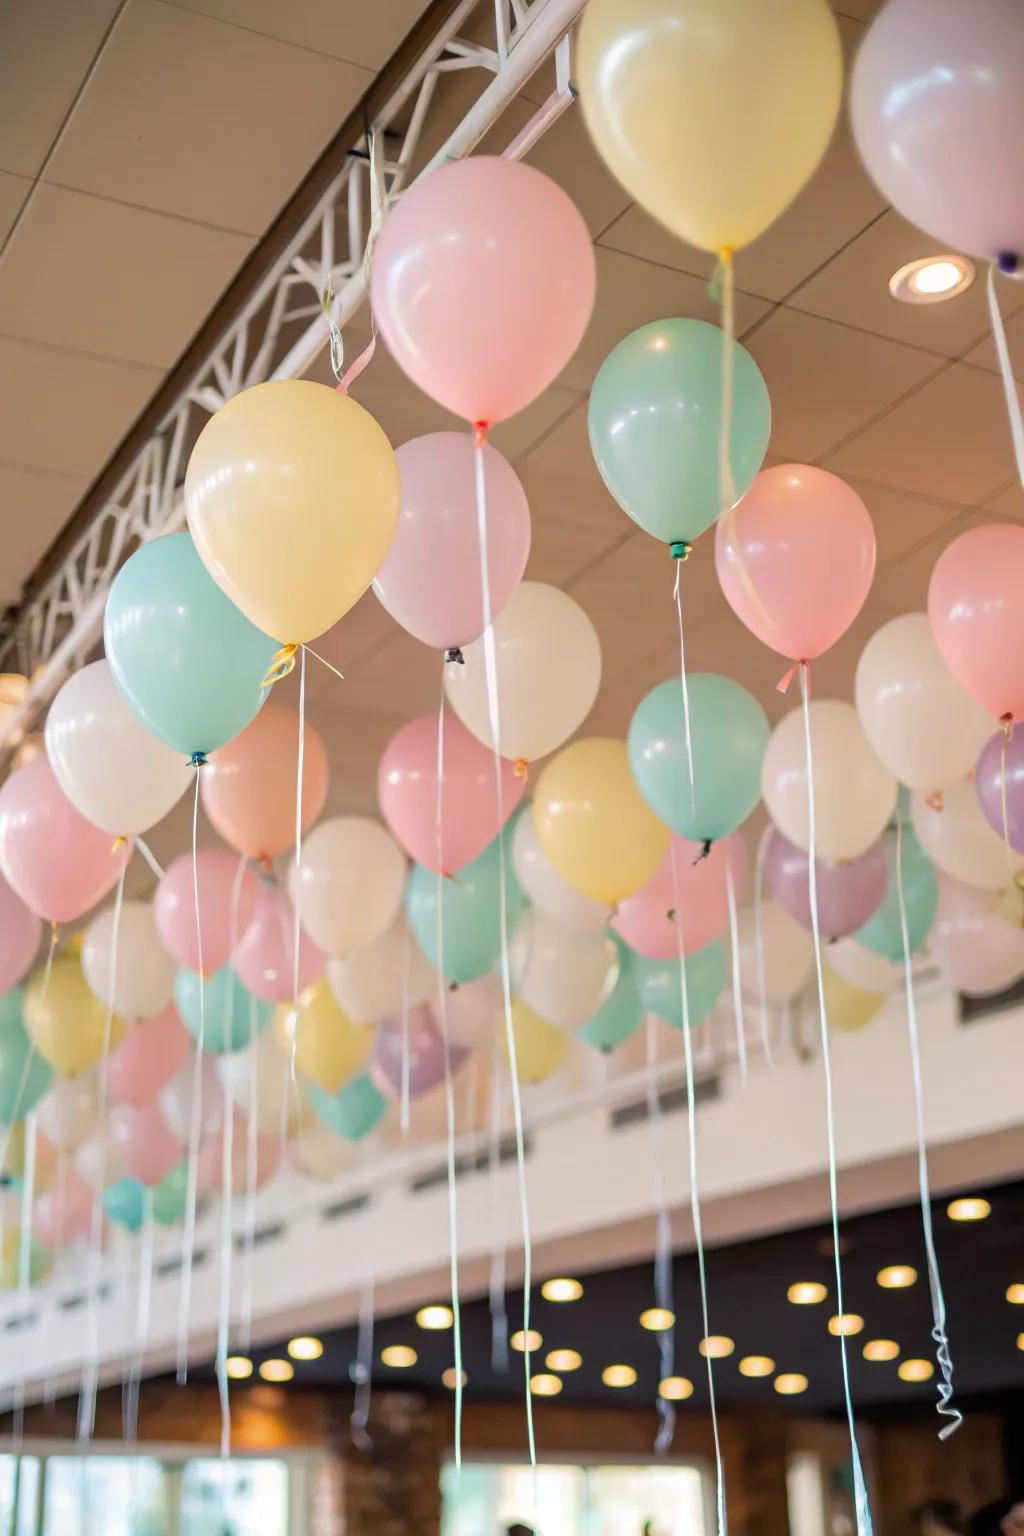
(705,850)
(480,431)
(198,760)
(281,663)
(1006,721)
(1008,263)
(521,768)
(454,653)
(118,843)
(936,800)
(679,549)
(266,864)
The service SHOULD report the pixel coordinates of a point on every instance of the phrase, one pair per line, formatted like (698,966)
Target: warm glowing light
(845,1324)
(563,1360)
(277,1370)
(716,1346)
(1015,1294)
(657,1319)
(931,279)
(618,1376)
(531,1341)
(238,1367)
(974,1209)
(915,1370)
(675,1389)
(896,1277)
(1020,1341)
(449,1378)
(398,1356)
(305,1348)
(435,1319)
(791,1384)
(807,1293)
(545,1386)
(881,1349)
(757,1365)
(561,1289)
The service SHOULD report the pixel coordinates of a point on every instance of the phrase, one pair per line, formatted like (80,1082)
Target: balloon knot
(281,663)
(936,800)
(266,864)
(1006,721)
(787,677)
(679,549)
(198,760)
(671,914)
(118,843)
(480,431)
(54,934)
(521,768)
(454,653)
(705,850)
(1008,262)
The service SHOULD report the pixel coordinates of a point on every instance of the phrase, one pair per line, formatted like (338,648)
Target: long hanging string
(1005,365)
(195,1118)
(226,1240)
(406,1064)
(362,1368)
(698,1228)
(251,1181)
(725,275)
(942,1350)
(494,717)
(449,1097)
(142,1312)
(496,1282)
(663,1297)
(299,769)
(734,951)
(681,552)
(762,987)
(28,1195)
(864,1525)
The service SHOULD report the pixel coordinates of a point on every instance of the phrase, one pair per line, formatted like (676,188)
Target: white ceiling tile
(559,551)
(190,116)
(362,33)
(566,154)
(13,192)
(34,506)
(48,45)
(983,355)
(902,521)
(144,307)
(901,585)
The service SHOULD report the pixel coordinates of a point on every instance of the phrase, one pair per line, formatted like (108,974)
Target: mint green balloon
(233,1016)
(883,932)
(353,1111)
(24,1075)
(620,1015)
(187,660)
(729,733)
(654,419)
(170,1196)
(471,912)
(125,1204)
(660,991)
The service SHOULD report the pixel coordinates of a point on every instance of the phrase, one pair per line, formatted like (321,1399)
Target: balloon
(999,781)
(862,968)
(190,665)
(849,1008)
(548,665)
(937,109)
(854,796)
(319,1154)
(48,1159)
(292,496)
(923,726)
(24,1075)
(176,1097)
(126,965)
(258,1081)
(849,892)
(58,863)
(249,788)
(698,886)
(430,582)
(475,1009)
(20,931)
(39,1264)
(148,1146)
(975,948)
(68,1024)
(69,1114)
(227,895)
(661,991)
(264,958)
(593,824)
(218,1012)
(112,769)
(471,914)
(883,933)
(125,1204)
(787,955)
(565,977)
(541,1048)
(170,1196)
(655,417)
(420,1041)
(728,733)
(712,113)
(353,1111)
(210,1169)
(483,284)
(349,888)
(548,890)
(976,610)
(151,1052)
(328,1048)
(98,1161)
(407,793)
(621,1013)
(796,558)
(377,980)
(63,1215)
(956,837)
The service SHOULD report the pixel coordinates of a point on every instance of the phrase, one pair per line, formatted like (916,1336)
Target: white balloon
(175,1099)
(564,977)
(98,1161)
(143,979)
(861,967)
(318,1154)
(110,767)
(549,890)
(975,948)
(69,1112)
(350,885)
(275,1093)
(376,982)
(548,662)
(854,796)
(956,837)
(787,954)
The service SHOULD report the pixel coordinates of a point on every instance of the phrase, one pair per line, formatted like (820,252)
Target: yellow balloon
(712,113)
(541,1048)
(65,1018)
(849,1008)
(593,823)
(329,1048)
(40,1261)
(292,494)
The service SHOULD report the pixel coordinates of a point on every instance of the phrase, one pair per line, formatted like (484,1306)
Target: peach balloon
(222,920)
(249,785)
(796,558)
(210,1171)
(976,610)
(63,1215)
(148,1057)
(149,1148)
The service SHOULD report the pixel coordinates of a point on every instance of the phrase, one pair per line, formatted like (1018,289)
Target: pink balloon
(249,786)
(849,891)
(264,958)
(483,284)
(430,581)
(407,793)
(148,1057)
(938,115)
(175,911)
(211,1158)
(149,1148)
(646,921)
(56,861)
(976,610)
(176,1098)
(796,558)
(63,1215)
(20,932)
(975,948)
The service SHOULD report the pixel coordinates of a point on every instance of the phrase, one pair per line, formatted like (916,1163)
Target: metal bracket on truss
(56,628)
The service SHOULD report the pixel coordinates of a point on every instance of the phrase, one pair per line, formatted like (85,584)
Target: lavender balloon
(848,893)
(426,1053)
(988,781)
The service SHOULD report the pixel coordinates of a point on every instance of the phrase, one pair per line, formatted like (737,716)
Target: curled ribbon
(787,677)
(281,663)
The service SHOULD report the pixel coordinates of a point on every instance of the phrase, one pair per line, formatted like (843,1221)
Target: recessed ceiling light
(449,1378)
(791,1384)
(1020,1341)
(238,1367)
(561,1289)
(563,1360)
(1015,1294)
(915,1370)
(675,1389)
(716,1346)
(305,1348)
(398,1356)
(757,1365)
(435,1318)
(545,1386)
(277,1370)
(931,279)
(881,1349)
(846,1324)
(896,1277)
(657,1319)
(974,1209)
(807,1293)
(618,1376)
(531,1341)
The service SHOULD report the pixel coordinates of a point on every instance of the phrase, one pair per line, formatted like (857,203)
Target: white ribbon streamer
(737,990)
(496,1282)
(762,987)
(195,1120)
(684,686)
(663,1242)
(1006,370)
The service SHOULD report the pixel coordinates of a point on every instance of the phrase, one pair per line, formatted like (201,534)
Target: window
(486,1498)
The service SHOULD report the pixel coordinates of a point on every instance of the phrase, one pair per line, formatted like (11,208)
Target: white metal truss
(283,325)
